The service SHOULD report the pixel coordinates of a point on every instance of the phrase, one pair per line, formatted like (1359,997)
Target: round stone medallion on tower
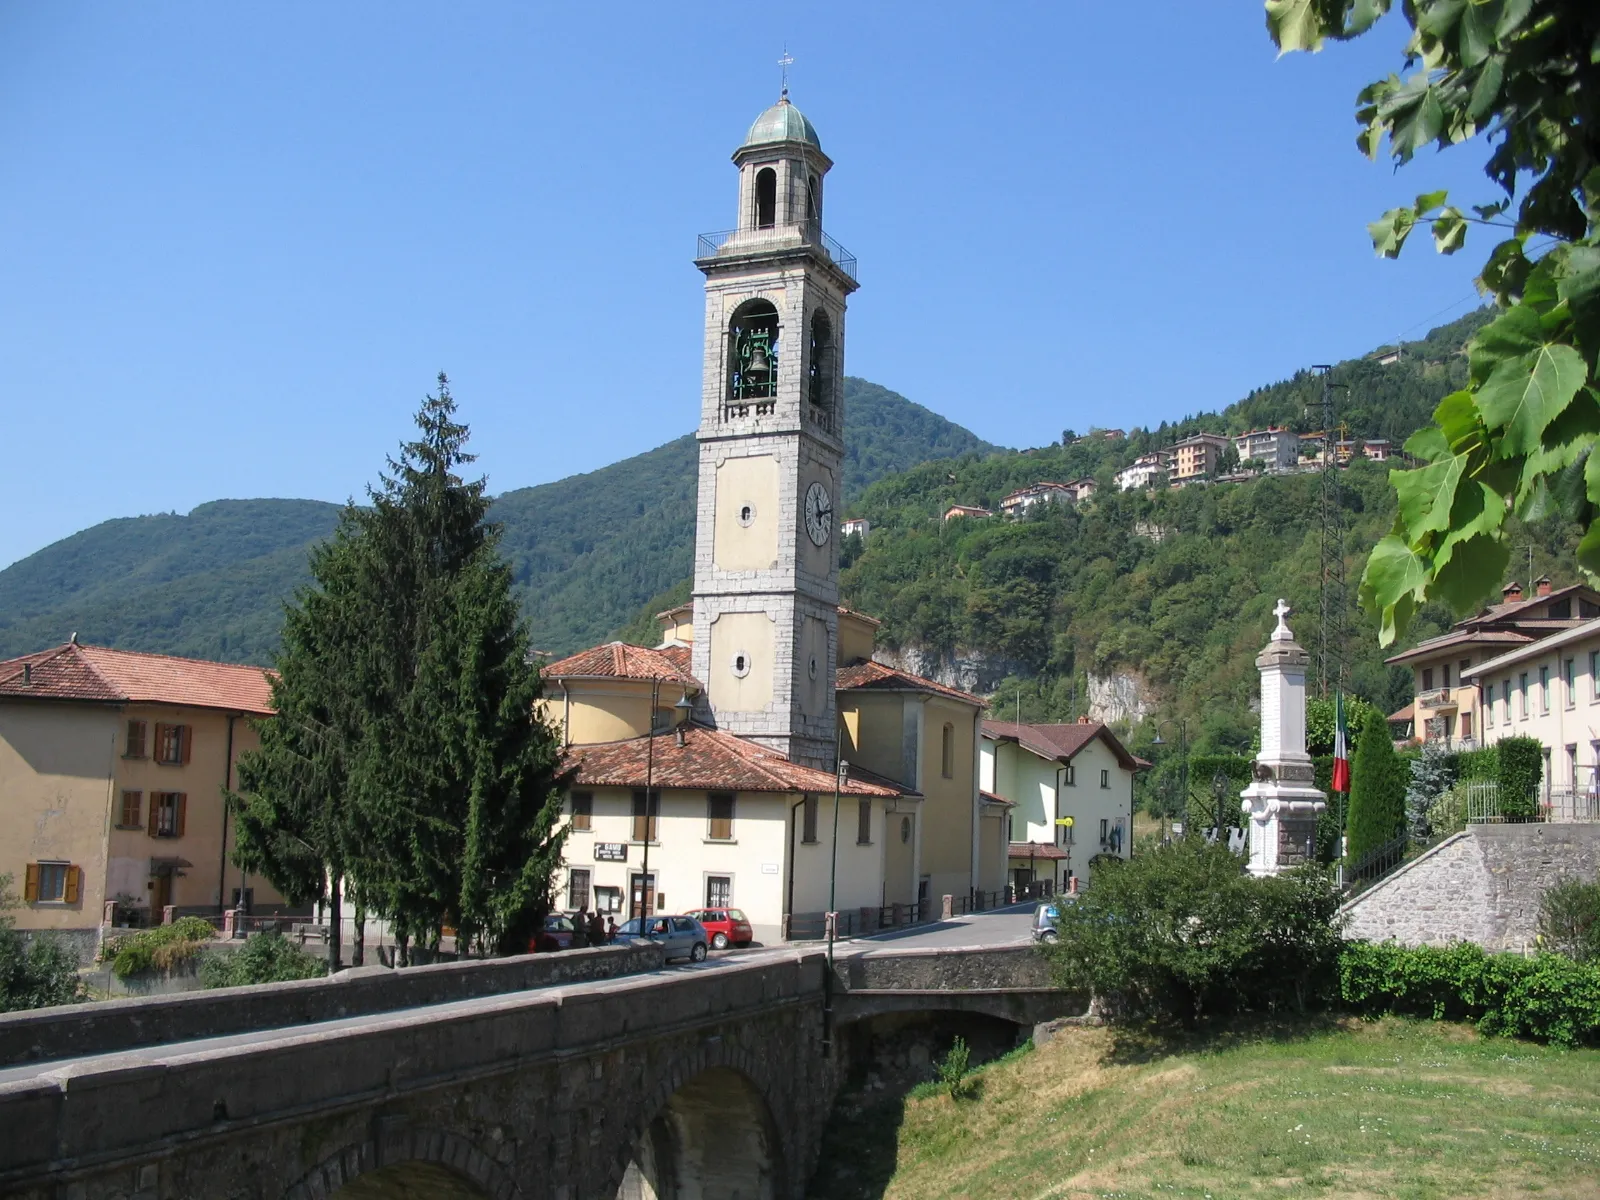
(783,122)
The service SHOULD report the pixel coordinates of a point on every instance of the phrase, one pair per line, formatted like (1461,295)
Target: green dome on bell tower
(783,122)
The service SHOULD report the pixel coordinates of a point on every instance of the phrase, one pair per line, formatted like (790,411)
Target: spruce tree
(1377,790)
(407,755)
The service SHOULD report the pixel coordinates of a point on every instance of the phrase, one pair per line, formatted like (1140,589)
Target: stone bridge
(711,1082)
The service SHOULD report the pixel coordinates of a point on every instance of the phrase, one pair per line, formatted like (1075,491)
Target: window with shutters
(132,810)
(646,826)
(719,816)
(1544,689)
(1569,676)
(172,744)
(581,807)
(51,883)
(578,889)
(808,832)
(167,812)
(134,746)
(864,822)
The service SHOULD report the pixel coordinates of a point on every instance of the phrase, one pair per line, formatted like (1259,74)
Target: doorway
(636,906)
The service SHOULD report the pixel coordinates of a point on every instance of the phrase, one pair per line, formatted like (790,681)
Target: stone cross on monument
(1281,801)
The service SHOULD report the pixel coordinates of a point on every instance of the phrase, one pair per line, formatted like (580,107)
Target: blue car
(683,937)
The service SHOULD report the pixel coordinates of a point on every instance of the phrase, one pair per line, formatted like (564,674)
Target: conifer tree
(407,755)
(1377,791)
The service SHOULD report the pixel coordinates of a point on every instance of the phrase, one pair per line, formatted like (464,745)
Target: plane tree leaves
(1522,434)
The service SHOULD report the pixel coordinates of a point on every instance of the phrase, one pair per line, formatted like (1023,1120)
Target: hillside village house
(1276,448)
(1194,457)
(1080,489)
(718,752)
(859,526)
(1050,772)
(1023,500)
(965,510)
(1445,705)
(1141,473)
(112,767)
(1550,690)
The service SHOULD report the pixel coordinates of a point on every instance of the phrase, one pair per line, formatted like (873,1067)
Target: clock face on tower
(819,514)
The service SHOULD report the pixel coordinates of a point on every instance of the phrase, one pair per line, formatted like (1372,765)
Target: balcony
(1438,699)
(731,242)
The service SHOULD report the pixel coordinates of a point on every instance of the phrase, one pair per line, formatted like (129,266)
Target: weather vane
(785,62)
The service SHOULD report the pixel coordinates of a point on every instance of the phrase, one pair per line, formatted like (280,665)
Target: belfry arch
(820,366)
(753,352)
(713,1139)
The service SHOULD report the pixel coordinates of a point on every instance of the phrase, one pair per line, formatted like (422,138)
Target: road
(1001,927)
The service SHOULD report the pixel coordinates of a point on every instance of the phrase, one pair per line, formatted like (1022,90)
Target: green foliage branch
(157,949)
(1569,919)
(954,1069)
(1378,780)
(1525,74)
(1519,768)
(37,971)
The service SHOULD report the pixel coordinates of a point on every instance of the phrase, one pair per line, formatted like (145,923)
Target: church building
(718,754)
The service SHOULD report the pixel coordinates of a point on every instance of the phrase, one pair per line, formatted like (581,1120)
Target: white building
(856,525)
(1141,473)
(1049,773)
(1549,690)
(1278,449)
(1023,500)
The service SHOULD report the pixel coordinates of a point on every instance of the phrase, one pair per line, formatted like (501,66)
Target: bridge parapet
(71,1031)
(1012,983)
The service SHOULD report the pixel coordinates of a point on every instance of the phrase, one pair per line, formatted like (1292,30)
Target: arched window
(753,351)
(766,198)
(819,384)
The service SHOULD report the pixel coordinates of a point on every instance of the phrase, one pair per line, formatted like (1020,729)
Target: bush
(1548,998)
(265,958)
(1448,814)
(1520,768)
(953,1068)
(36,974)
(1204,770)
(1569,920)
(1183,931)
(1479,765)
(158,949)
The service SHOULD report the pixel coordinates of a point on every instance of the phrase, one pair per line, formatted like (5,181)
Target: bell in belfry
(758,360)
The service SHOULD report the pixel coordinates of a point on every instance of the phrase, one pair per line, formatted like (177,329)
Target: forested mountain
(587,550)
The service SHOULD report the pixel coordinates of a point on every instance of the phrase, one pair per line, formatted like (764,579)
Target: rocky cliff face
(978,671)
(1120,696)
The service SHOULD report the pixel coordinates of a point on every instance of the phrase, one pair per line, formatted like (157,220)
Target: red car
(727,926)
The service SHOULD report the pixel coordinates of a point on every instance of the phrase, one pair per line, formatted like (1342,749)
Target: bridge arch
(709,1130)
(417,1164)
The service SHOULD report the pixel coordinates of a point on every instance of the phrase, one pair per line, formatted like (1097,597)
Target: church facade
(718,752)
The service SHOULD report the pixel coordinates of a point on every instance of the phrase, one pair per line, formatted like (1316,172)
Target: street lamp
(1183,749)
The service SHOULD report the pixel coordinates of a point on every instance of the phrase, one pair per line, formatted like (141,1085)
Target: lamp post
(645,885)
(841,770)
(1183,749)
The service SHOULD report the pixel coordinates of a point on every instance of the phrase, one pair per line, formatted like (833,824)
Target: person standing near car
(597,929)
(611,929)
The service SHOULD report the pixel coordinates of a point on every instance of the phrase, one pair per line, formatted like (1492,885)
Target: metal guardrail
(808,233)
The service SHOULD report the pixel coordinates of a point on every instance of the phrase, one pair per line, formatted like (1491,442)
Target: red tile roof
(619,660)
(1461,637)
(1036,850)
(77,672)
(991,798)
(874,676)
(1060,742)
(708,760)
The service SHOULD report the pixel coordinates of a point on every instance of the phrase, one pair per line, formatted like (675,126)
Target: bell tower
(766,568)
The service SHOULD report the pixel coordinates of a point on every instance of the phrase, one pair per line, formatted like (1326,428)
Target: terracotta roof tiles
(1060,742)
(619,660)
(874,676)
(99,673)
(709,760)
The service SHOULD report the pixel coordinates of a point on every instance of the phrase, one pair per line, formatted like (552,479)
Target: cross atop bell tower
(766,576)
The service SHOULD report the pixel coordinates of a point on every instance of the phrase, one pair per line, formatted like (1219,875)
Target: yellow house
(112,766)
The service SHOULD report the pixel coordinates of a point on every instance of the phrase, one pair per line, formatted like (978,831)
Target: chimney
(1083,720)
(1511,593)
(27,673)
(1542,585)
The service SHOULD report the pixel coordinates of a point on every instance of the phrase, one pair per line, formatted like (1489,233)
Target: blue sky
(237,241)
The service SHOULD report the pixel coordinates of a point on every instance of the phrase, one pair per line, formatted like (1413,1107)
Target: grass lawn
(1340,1108)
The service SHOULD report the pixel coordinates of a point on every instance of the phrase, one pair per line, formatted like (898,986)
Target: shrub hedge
(157,949)
(1521,767)
(1547,998)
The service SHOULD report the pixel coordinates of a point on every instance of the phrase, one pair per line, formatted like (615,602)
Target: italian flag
(1341,747)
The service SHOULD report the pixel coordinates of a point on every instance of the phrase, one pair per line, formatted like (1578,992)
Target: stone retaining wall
(73,1030)
(1483,885)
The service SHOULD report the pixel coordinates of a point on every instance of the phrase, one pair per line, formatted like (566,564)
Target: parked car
(683,937)
(557,935)
(1045,917)
(727,926)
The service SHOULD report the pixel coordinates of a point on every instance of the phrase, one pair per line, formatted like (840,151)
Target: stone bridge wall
(1483,885)
(73,1030)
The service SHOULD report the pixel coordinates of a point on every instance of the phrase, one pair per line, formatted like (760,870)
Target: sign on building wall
(611,852)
